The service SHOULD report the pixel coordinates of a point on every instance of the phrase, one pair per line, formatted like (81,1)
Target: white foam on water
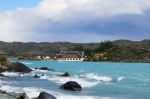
(32,92)
(10,73)
(37,70)
(120,78)
(44,77)
(62,80)
(3,82)
(8,88)
(69,96)
(26,63)
(96,77)
(57,73)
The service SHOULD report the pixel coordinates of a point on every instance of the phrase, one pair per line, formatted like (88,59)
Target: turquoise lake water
(99,80)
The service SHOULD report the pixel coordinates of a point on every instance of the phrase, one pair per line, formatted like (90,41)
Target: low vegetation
(119,50)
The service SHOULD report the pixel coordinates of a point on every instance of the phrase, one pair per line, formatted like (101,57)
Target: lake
(99,80)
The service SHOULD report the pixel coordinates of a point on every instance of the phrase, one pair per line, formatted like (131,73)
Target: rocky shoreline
(22,69)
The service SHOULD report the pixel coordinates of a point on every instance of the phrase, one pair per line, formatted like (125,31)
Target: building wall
(70,59)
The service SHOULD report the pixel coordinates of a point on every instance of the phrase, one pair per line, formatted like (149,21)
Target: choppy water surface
(99,80)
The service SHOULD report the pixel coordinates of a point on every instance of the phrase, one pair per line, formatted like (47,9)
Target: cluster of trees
(107,51)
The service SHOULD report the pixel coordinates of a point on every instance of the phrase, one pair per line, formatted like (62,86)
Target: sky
(78,21)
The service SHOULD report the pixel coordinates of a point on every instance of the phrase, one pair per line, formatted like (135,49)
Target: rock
(42,75)
(3,92)
(36,68)
(19,67)
(45,68)
(65,75)
(22,96)
(2,75)
(71,85)
(44,95)
(36,76)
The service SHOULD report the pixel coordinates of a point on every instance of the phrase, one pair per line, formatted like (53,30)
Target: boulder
(44,95)
(65,75)
(36,68)
(71,85)
(2,75)
(36,76)
(22,96)
(45,68)
(15,67)
(19,67)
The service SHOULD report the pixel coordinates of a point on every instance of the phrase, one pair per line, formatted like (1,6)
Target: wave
(8,88)
(96,77)
(26,63)
(13,74)
(34,92)
(37,70)
(62,80)
(120,78)
(10,73)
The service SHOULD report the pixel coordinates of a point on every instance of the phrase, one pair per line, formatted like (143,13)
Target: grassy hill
(126,50)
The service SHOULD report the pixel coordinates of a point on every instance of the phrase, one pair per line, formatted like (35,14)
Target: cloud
(77,21)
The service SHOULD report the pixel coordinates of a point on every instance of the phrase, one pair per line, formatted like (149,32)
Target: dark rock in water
(2,75)
(22,96)
(65,75)
(44,95)
(3,92)
(45,68)
(15,67)
(36,76)
(36,68)
(42,75)
(71,85)
(18,67)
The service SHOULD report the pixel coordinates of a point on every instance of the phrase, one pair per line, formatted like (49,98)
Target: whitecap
(37,70)
(10,73)
(62,80)
(26,63)
(8,88)
(96,77)
(120,78)
(32,92)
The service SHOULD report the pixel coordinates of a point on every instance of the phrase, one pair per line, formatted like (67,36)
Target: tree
(2,60)
(105,46)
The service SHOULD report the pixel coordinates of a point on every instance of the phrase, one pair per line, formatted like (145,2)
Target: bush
(3,58)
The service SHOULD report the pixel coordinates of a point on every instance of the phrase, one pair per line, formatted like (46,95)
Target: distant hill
(30,48)
(129,42)
(20,48)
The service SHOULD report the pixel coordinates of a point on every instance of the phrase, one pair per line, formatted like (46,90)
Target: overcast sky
(74,20)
